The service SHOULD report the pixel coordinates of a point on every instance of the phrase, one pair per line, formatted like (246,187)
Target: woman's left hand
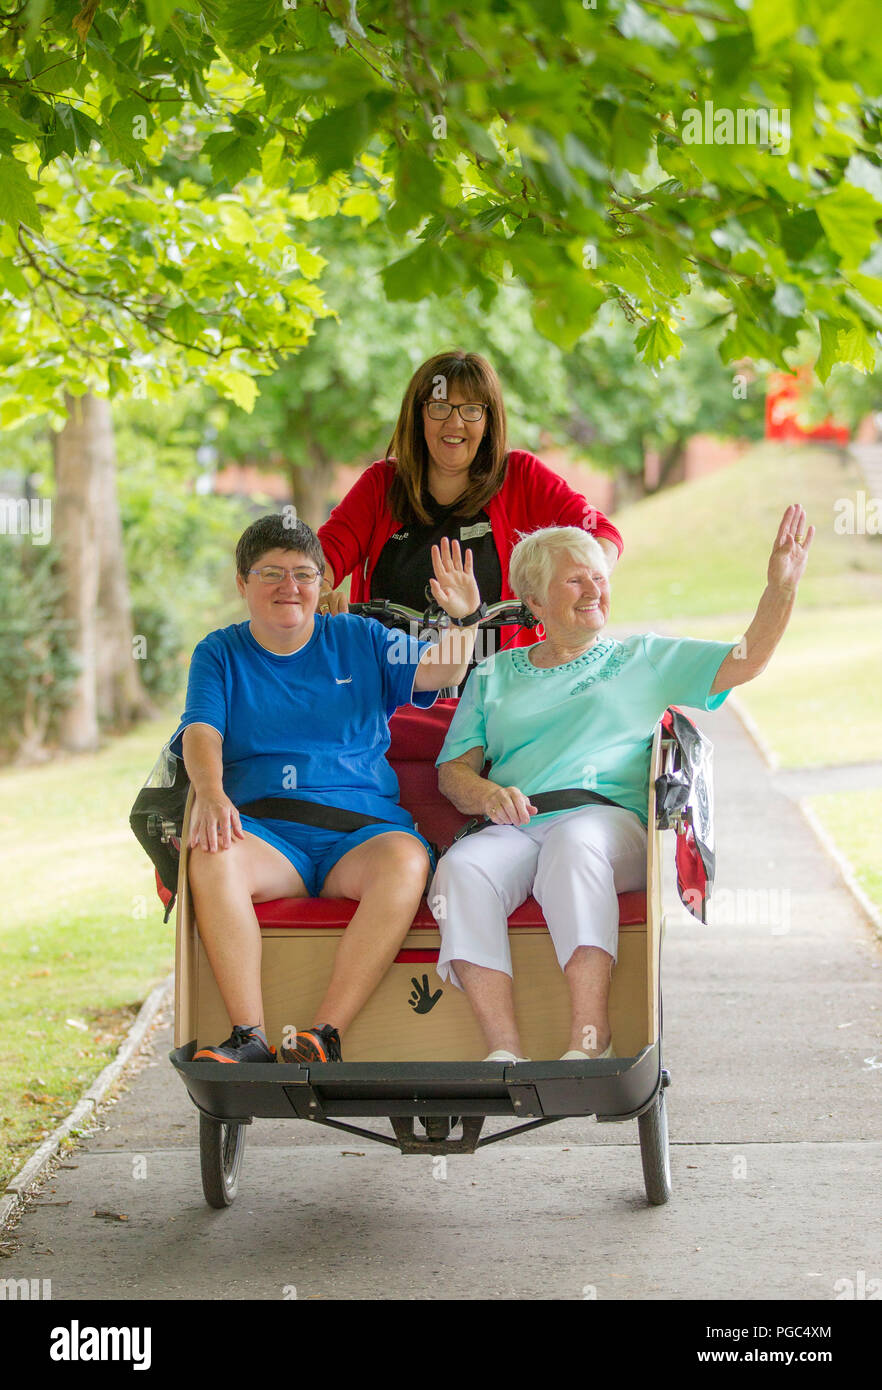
(454,587)
(789,554)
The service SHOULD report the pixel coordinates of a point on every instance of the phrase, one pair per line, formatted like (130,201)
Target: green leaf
(773,20)
(800,233)
(855,347)
(236,386)
(12,279)
(631,139)
(231,157)
(185,323)
(849,216)
(125,129)
(82,128)
(335,140)
(425,271)
(657,342)
(159,12)
(241,26)
(117,380)
(26,130)
(829,330)
(365,205)
(17,201)
(237,225)
(565,313)
(417,186)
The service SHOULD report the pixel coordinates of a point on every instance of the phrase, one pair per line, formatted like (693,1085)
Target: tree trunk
(76,532)
(122,699)
(310,484)
(89,535)
(670,460)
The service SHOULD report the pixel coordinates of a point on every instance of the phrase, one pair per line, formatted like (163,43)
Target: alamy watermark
(710,125)
(22,516)
(858,516)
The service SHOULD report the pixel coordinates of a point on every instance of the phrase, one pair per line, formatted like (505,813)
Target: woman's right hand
(332,602)
(508,806)
(214,823)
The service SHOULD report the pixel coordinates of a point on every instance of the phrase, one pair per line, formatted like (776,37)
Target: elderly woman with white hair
(578,709)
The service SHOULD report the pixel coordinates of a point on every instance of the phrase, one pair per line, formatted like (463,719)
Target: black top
(404,566)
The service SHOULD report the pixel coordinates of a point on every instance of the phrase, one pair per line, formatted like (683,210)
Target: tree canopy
(161,163)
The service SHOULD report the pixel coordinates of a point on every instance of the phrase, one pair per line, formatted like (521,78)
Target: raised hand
(454,587)
(790,551)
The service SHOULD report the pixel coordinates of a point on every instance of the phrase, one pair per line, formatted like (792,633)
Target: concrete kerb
(821,834)
(752,728)
(19,1187)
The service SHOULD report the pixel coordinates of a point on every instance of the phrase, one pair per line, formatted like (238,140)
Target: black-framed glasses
(274,574)
(440,410)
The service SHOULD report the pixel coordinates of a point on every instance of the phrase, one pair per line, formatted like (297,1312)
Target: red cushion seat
(311,914)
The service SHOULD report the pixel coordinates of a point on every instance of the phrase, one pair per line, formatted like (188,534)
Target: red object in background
(784,391)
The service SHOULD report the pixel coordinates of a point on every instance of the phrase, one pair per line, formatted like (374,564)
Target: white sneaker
(577,1056)
(500,1055)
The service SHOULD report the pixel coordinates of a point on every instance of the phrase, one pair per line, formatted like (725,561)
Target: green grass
(702,548)
(854,819)
(81,937)
(818,699)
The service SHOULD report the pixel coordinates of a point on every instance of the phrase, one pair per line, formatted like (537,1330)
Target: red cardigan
(531,496)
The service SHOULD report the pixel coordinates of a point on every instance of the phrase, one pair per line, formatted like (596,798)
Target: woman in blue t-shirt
(577,710)
(293,704)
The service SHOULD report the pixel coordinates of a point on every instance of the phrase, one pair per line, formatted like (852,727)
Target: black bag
(157,818)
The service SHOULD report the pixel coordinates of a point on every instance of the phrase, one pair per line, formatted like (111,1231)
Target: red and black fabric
(684,801)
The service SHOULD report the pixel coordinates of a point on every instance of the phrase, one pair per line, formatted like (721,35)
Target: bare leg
(491,996)
(225,885)
(588,973)
(386,875)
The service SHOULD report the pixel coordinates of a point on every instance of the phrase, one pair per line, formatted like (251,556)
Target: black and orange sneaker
(243,1045)
(313,1045)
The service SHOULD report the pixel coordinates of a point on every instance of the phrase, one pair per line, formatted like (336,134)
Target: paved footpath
(773,1036)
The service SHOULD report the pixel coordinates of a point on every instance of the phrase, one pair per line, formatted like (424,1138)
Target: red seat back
(417,736)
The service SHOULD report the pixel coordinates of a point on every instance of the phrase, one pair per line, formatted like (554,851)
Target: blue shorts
(314,851)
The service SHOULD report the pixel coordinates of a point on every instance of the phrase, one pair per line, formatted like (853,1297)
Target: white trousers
(574,864)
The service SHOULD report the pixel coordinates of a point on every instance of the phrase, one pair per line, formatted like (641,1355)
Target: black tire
(221,1147)
(654,1151)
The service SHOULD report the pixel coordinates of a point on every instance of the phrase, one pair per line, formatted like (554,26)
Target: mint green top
(588,723)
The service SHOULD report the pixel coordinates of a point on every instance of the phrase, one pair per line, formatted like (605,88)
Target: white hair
(533,559)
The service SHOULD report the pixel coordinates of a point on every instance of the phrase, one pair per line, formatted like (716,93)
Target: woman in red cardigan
(448,472)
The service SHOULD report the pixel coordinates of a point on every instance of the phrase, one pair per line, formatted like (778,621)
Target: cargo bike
(410,1056)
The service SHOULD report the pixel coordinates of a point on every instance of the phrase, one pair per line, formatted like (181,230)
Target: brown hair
(408,451)
(277,532)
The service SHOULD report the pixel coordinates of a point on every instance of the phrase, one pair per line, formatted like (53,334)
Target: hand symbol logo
(421,1001)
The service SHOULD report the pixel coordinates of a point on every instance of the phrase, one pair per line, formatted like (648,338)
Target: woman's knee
(204,864)
(397,861)
(404,851)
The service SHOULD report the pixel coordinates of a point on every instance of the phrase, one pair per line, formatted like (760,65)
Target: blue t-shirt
(588,723)
(314,724)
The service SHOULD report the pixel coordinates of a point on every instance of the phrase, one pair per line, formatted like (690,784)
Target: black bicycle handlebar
(509,613)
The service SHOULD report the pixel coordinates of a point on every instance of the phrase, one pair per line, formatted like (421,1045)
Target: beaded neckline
(600,649)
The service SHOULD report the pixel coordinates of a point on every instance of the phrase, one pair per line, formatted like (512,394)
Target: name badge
(471,533)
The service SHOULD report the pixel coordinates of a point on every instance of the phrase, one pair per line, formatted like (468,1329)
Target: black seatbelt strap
(567,799)
(308,813)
